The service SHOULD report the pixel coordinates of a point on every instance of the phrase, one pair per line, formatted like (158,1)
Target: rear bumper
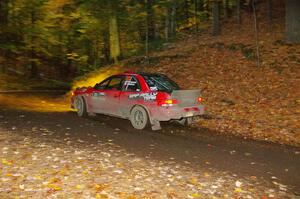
(175,112)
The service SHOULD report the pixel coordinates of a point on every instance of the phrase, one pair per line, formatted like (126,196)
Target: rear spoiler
(186,97)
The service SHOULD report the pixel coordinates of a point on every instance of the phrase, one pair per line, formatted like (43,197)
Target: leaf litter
(43,169)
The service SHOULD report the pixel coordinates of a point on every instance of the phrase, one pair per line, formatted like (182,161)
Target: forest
(239,58)
(63,39)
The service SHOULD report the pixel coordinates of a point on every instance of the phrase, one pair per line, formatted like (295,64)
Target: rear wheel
(139,118)
(80,107)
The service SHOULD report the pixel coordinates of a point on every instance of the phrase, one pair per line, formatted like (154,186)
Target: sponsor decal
(129,83)
(146,96)
(154,88)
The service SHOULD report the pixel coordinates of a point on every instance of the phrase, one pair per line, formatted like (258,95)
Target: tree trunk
(114,40)
(147,28)
(150,20)
(106,50)
(270,11)
(3,26)
(167,23)
(196,15)
(216,18)
(186,10)
(292,21)
(256,35)
(32,70)
(238,12)
(96,52)
(226,5)
(157,30)
(3,12)
(173,20)
(66,67)
(207,9)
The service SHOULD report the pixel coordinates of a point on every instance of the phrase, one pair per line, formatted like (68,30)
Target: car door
(98,97)
(130,95)
(112,96)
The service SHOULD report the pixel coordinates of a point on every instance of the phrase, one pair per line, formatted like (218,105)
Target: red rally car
(143,98)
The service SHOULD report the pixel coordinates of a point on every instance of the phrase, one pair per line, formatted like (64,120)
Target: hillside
(240,97)
(257,102)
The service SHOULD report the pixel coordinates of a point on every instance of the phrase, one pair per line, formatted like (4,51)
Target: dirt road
(59,155)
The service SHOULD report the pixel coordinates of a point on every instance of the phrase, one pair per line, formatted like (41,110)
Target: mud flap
(155,125)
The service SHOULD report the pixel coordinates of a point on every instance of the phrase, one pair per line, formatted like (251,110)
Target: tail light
(199,99)
(163,99)
(168,102)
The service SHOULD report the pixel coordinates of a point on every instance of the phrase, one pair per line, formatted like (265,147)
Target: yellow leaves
(97,76)
(54,187)
(54,180)
(98,195)
(120,165)
(6,162)
(196,195)
(171,194)
(193,181)
(85,172)
(72,56)
(78,186)
(8,174)
(34,103)
(206,174)
(53,184)
(37,177)
(238,190)
(131,197)
(99,187)
(63,172)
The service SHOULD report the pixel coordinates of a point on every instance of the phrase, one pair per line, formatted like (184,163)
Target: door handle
(98,94)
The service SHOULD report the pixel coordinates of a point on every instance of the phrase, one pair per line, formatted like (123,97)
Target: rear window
(157,82)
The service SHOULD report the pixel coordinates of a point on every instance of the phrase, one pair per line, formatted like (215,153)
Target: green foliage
(65,38)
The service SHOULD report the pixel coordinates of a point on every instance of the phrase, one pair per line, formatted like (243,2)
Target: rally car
(145,99)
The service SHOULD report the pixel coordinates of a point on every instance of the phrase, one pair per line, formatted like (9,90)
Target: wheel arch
(85,102)
(144,107)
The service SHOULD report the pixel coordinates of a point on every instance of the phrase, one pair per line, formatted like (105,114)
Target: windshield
(158,82)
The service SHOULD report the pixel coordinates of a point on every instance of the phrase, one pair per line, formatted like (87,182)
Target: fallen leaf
(238,190)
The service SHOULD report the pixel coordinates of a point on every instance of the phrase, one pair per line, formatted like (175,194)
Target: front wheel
(139,118)
(80,107)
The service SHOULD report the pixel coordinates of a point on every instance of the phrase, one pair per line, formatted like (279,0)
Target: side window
(131,84)
(101,85)
(115,83)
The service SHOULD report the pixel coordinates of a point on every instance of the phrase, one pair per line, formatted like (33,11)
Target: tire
(186,121)
(139,118)
(80,107)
